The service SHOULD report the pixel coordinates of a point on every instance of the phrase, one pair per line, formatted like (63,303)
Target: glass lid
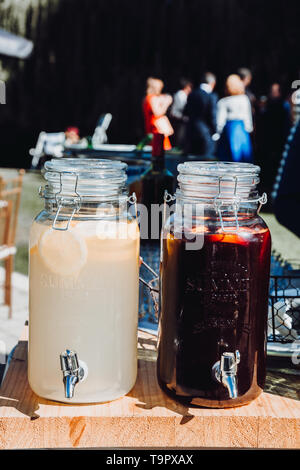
(85,176)
(209,180)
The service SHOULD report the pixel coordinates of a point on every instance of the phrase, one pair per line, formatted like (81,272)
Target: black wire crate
(284,307)
(284,297)
(148,318)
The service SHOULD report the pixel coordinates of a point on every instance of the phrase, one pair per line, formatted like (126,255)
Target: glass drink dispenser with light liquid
(84,279)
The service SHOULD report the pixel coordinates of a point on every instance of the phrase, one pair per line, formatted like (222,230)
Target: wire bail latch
(68,203)
(228,204)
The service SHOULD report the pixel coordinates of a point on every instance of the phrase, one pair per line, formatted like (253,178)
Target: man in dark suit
(201,112)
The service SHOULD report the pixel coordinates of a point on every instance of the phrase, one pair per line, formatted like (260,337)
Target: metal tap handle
(225,371)
(69,361)
(74,371)
(229,362)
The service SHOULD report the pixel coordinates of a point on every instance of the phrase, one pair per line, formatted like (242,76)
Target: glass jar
(215,264)
(84,283)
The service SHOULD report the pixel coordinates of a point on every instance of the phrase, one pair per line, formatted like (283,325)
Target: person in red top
(155,106)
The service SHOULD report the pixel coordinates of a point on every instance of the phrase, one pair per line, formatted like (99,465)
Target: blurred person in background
(155,106)
(246,77)
(201,113)
(295,101)
(275,123)
(234,123)
(178,120)
(261,104)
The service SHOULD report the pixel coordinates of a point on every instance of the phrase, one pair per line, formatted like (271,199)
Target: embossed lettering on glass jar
(84,252)
(213,299)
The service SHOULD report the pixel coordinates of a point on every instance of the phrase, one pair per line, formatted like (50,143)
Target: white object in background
(282,321)
(284,349)
(6,251)
(51,143)
(3,352)
(82,144)
(100,135)
(14,46)
(115,147)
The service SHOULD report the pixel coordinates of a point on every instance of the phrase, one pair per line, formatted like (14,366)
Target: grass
(31,205)
(283,241)
(21,259)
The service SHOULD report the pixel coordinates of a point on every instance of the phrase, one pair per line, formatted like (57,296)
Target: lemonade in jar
(84,275)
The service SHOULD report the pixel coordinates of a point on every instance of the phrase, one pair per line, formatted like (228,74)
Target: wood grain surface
(145,417)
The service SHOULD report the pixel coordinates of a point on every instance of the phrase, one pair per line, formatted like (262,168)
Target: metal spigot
(73,372)
(225,371)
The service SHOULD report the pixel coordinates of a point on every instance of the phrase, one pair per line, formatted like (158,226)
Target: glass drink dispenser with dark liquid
(215,265)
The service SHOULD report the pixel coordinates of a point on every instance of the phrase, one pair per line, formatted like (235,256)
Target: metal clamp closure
(70,201)
(232,204)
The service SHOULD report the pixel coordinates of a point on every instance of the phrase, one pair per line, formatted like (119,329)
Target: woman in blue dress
(234,123)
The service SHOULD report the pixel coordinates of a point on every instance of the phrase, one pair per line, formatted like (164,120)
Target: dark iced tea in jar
(213,319)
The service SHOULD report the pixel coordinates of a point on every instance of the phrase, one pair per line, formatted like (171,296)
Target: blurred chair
(100,135)
(7,251)
(10,193)
(48,144)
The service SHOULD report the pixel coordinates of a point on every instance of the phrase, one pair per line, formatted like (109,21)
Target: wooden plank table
(145,417)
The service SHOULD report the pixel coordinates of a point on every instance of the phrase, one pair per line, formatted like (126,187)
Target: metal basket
(148,304)
(284,297)
(284,308)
